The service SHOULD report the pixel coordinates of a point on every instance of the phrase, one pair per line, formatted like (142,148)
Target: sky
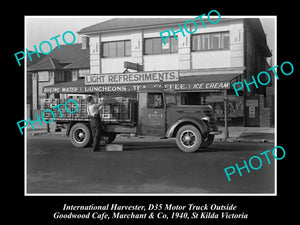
(42,28)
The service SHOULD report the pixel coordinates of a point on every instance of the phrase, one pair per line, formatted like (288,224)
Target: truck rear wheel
(188,138)
(80,135)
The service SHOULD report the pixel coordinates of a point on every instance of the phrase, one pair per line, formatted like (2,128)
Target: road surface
(54,166)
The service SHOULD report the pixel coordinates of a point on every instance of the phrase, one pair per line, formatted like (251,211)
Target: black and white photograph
(150,105)
(162,117)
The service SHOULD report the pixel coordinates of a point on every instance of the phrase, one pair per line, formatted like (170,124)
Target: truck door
(151,120)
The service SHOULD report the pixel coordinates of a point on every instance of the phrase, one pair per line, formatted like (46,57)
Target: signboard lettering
(141,77)
(135,87)
(155,119)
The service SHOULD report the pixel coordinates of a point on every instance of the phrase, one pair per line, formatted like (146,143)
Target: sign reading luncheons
(125,78)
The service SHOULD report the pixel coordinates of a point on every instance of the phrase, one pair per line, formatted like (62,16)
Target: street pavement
(145,166)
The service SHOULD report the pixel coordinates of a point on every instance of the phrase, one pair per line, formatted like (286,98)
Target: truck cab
(160,114)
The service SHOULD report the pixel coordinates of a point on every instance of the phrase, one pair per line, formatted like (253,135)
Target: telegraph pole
(226,133)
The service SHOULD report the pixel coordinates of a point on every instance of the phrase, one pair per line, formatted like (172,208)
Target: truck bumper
(215,132)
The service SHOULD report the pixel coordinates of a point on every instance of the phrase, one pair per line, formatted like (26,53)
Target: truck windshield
(171,99)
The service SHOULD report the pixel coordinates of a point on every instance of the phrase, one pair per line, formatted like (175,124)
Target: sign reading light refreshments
(140,77)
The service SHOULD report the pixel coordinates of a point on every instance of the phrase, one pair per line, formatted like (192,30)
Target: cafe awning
(183,83)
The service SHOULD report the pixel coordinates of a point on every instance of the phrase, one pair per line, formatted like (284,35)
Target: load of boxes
(114,110)
(60,111)
(119,109)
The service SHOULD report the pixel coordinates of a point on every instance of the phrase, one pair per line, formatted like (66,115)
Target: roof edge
(82,32)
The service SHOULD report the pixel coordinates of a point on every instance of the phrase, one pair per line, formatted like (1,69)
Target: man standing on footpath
(96,124)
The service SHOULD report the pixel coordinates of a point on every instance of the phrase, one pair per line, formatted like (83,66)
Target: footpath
(248,134)
(236,134)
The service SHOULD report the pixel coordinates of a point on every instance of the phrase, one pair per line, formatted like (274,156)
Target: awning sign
(126,78)
(135,87)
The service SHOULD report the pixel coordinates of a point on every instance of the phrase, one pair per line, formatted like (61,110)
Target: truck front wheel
(188,138)
(80,135)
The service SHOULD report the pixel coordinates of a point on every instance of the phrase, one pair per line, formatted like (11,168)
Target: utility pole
(226,132)
(48,127)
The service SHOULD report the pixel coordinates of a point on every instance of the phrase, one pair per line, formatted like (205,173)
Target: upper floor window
(154,46)
(62,76)
(116,49)
(210,42)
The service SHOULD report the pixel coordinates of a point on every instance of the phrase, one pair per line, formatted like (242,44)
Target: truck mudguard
(201,125)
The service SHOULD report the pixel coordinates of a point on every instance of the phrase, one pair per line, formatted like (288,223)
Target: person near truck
(96,124)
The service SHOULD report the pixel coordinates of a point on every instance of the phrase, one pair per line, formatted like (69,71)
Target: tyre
(188,138)
(108,138)
(207,141)
(80,135)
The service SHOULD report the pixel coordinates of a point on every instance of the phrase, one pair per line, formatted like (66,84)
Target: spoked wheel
(80,135)
(188,138)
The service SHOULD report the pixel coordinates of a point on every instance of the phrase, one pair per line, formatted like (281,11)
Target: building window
(116,49)
(62,76)
(210,42)
(154,46)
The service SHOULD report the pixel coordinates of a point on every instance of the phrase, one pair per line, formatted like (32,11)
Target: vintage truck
(156,112)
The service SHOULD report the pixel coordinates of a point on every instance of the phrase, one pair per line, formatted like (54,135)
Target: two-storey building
(128,53)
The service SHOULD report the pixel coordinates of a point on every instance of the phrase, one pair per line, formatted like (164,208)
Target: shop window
(116,49)
(190,98)
(155,100)
(154,46)
(210,42)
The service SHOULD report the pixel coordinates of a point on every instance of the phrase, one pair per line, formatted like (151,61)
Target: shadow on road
(148,146)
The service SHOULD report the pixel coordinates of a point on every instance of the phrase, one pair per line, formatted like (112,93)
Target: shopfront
(192,89)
